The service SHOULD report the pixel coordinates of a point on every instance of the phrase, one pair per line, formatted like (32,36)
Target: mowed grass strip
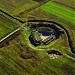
(60,11)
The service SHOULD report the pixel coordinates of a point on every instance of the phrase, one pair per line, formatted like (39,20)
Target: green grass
(15,64)
(58,66)
(24,8)
(11,62)
(12,5)
(7,25)
(66,2)
(17,7)
(31,62)
(56,9)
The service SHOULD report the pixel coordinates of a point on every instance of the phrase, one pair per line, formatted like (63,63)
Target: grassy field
(18,56)
(17,7)
(69,3)
(23,60)
(7,25)
(57,66)
(58,10)
(10,5)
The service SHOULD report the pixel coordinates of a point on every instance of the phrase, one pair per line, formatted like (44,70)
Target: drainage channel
(71,44)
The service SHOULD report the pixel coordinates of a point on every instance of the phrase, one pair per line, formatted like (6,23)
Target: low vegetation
(18,56)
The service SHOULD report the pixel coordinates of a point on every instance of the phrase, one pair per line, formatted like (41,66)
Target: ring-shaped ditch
(40,36)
